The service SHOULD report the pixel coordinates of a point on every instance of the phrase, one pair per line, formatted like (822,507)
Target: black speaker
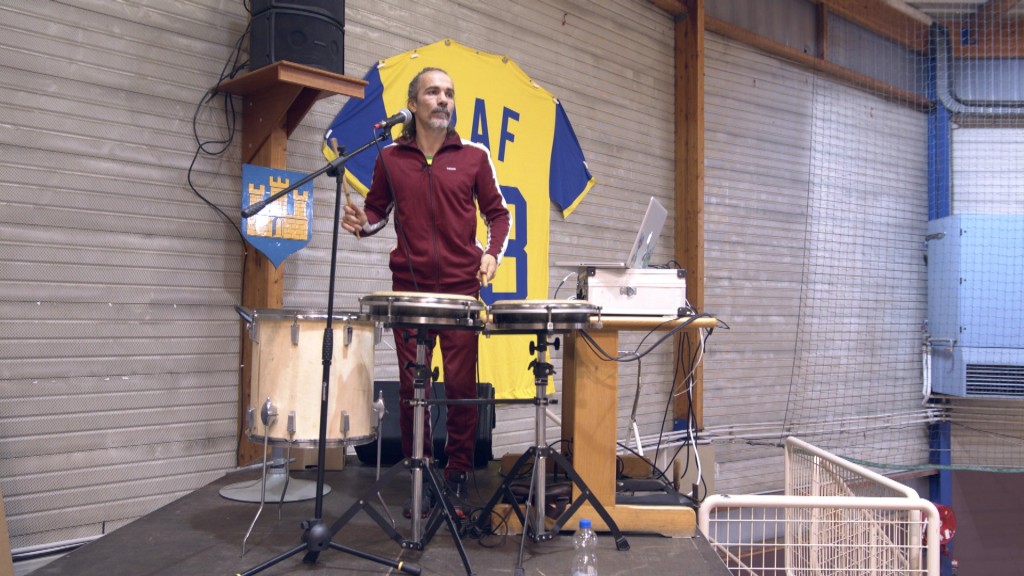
(310,32)
(391,435)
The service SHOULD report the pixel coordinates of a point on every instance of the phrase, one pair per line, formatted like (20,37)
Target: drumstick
(344,189)
(333,143)
(348,200)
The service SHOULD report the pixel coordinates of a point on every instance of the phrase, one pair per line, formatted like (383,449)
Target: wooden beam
(1002,43)
(883,19)
(673,7)
(689,184)
(818,64)
(994,12)
(6,566)
(988,33)
(822,33)
(264,143)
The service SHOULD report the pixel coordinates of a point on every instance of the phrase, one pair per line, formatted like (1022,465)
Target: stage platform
(201,534)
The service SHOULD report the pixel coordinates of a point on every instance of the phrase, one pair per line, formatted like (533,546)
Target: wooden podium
(275,100)
(590,394)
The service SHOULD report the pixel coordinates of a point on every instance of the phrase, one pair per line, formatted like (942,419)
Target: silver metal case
(634,292)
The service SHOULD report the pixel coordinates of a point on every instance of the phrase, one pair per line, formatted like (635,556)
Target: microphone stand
(334,166)
(316,536)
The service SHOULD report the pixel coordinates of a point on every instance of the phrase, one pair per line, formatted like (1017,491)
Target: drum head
(424,309)
(529,316)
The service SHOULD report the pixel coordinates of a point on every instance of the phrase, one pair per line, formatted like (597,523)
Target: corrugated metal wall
(988,169)
(119,344)
(815,214)
(118,384)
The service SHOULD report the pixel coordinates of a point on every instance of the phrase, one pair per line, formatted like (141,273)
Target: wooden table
(590,398)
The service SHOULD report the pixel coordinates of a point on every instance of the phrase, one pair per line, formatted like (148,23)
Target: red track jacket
(436,214)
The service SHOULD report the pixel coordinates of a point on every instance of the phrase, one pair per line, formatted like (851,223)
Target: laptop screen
(647,236)
(643,245)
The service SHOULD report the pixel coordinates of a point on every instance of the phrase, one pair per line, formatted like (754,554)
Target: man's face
(435,100)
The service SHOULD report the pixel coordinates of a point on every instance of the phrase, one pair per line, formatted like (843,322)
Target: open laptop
(643,246)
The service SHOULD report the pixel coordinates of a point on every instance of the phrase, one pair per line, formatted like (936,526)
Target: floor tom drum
(287,376)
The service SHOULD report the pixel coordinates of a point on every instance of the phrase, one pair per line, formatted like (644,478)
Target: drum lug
(378,333)
(250,420)
(295,333)
(248,317)
(347,339)
(291,424)
(379,409)
(344,424)
(268,414)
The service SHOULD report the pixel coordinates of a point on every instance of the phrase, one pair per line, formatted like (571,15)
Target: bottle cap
(584,523)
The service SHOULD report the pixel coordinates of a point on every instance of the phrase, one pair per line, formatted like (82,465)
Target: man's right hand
(354,219)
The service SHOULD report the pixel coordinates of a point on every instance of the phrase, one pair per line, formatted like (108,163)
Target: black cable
(634,356)
(232,66)
(677,366)
(683,352)
(691,433)
(230,70)
(648,335)
(658,473)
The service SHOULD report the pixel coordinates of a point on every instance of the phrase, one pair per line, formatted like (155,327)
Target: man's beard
(440,123)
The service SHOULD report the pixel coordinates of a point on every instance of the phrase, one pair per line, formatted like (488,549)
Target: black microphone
(403,116)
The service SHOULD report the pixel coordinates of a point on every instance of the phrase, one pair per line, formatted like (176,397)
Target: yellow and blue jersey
(535,152)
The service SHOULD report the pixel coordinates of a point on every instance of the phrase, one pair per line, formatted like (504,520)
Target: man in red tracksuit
(434,182)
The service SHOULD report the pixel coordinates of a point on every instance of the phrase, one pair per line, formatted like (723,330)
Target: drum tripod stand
(423,530)
(536,528)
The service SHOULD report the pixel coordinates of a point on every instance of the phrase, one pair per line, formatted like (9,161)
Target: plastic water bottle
(585,541)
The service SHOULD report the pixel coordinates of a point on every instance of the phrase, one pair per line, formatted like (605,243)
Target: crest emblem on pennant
(285,226)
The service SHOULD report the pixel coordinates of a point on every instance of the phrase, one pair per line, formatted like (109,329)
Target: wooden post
(6,565)
(275,100)
(689,205)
